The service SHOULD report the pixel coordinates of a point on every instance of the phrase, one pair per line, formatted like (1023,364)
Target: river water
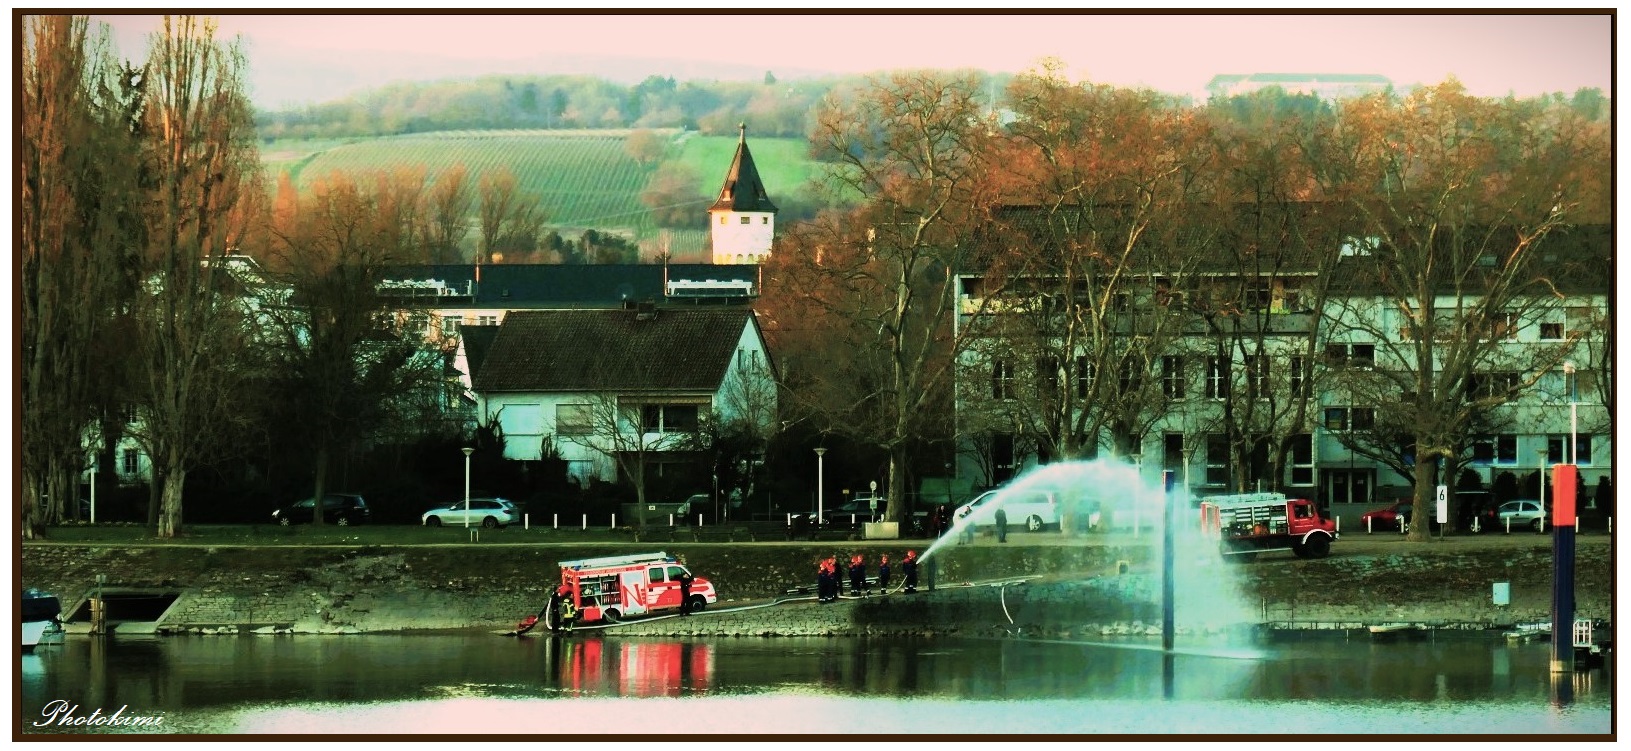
(585,684)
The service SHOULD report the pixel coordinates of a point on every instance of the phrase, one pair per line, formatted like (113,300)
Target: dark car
(342,509)
(848,515)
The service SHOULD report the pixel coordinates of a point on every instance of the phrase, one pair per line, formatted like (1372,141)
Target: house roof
(478,341)
(646,350)
(521,286)
(743,191)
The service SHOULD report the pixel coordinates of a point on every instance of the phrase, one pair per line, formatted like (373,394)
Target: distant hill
(586,178)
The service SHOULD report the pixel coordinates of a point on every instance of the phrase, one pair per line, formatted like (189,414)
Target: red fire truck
(1250,523)
(615,587)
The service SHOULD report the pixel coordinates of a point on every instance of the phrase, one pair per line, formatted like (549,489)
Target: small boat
(1384,630)
(1528,631)
(39,616)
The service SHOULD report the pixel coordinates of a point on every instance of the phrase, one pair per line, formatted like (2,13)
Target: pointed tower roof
(742,190)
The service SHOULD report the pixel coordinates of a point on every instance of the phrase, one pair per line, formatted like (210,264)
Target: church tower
(742,221)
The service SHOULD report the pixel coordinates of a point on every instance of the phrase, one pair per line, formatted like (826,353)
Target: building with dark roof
(605,388)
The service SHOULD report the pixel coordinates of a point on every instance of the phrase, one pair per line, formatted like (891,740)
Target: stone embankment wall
(1067,589)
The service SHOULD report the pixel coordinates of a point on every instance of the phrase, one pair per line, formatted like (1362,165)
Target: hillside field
(586,178)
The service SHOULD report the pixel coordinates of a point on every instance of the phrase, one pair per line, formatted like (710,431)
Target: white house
(591,384)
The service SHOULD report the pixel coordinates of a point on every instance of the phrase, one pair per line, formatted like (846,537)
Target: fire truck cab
(615,587)
(1250,523)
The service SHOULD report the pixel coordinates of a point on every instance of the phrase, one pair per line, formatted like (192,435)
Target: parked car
(1522,513)
(487,512)
(342,509)
(1035,509)
(1391,518)
(850,514)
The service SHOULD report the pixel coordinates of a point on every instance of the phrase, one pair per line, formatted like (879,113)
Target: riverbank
(1052,585)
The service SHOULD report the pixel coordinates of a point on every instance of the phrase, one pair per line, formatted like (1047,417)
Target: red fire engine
(1248,524)
(615,587)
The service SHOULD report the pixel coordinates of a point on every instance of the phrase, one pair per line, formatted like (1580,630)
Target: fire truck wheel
(1300,549)
(611,615)
(698,602)
(1033,523)
(1318,546)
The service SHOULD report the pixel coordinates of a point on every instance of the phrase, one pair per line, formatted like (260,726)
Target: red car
(1389,518)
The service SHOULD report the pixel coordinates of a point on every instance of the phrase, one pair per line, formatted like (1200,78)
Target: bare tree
(880,278)
(1458,197)
(1083,276)
(447,216)
(510,217)
(199,159)
(76,187)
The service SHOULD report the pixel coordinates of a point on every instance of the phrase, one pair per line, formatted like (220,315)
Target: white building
(742,221)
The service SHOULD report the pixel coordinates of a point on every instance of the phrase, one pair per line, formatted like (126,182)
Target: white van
(1035,510)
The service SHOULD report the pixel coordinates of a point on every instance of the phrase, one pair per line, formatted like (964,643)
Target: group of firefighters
(829,583)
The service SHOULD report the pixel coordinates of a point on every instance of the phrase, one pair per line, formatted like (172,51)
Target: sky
(297,59)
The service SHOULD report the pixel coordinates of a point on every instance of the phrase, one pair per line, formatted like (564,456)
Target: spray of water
(1110,495)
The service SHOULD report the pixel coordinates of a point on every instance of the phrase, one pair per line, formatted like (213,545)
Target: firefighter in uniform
(685,592)
(883,574)
(857,575)
(569,610)
(908,570)
(1002,525)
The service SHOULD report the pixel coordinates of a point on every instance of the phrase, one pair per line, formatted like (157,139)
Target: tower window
(747,220)
(764,220)
(721,220)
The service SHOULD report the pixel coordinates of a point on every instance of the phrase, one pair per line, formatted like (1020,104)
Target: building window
(131,462)
(1556,443)
(1172,452)
(1351,355)
(1217,378)
(1551,330)
(1002,379)
(668,418)
(1492,385)
(1047,377)
(450,325)
(747,220)
(1258,297)
(1302,459)
(573,419)
(1502,325)
(1084,377)
(1130,381)
(1217,459)
(1495,449)
(1172,377)
(1298,375)
(418,323)
(722,219)
(1257,376)
(486,320)
(764,220)
(1341,419)
(1293,300)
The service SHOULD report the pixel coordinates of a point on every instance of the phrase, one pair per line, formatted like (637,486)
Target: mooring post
(1167,579)
(1565,477)
(99,611)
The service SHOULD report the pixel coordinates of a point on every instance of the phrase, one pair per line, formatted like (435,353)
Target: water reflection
(409,683)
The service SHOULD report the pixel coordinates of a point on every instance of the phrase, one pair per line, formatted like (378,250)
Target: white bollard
(526,521)
(1369,522)
(586,522)
(699,520)
(1508,522)
(555,521)
(670,520)
(614,521)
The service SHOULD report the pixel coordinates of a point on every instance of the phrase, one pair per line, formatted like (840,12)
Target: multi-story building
(1239,381)
(742,221)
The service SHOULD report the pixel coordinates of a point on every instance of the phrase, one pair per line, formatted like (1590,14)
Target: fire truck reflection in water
(594,667)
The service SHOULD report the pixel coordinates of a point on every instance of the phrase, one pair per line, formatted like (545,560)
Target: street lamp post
(1138,489)
(467,452)
(821,477)
(1574,415)
(1542,452)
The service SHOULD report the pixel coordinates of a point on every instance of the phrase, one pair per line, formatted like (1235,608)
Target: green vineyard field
(585,178)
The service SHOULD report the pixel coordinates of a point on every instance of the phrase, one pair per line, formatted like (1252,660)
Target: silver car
(486,512)
(1520,513)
